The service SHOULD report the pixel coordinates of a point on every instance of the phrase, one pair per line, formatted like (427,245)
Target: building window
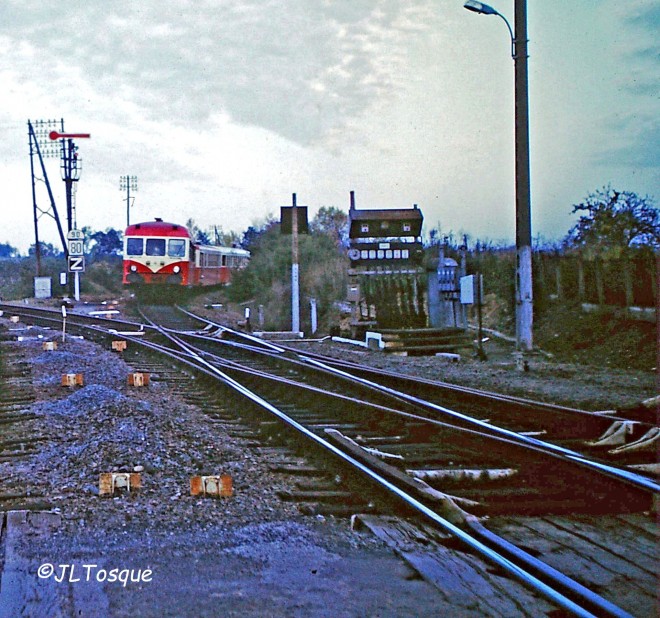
(372,254)
(381,254)
(388,254)
(364,228)
(406,227)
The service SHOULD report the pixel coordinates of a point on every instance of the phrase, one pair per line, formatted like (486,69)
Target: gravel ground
(579,386)
(250,554)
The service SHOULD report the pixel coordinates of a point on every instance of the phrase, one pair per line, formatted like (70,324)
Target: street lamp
(524,303)
(480,7)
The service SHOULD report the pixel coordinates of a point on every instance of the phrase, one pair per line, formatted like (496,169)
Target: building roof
(390,214)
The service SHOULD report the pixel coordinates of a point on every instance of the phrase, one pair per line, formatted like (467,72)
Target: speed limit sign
(76,247)
(76,242)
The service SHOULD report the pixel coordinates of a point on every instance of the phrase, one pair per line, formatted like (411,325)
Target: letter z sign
(76,263)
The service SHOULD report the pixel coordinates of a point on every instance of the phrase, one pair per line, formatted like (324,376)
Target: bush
(267,279)
(102,278)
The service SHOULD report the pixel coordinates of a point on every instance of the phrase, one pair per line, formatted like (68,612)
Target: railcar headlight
(133,268)
(176,269)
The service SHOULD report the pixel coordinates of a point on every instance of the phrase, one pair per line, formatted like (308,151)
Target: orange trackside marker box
(111,482)
(213,486)
(49,346)
(138,379)
(72,379)
(118,346)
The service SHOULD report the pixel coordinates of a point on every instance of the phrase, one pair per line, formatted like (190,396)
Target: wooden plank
(646,525)
(22,591)
(611,536)
(618,581)
(444,504)
(471,586)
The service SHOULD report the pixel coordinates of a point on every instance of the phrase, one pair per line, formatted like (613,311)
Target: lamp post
(524,301)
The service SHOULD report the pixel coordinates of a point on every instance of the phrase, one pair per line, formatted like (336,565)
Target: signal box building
(387,238)
(386,276)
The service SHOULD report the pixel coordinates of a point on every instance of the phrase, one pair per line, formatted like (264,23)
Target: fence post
(580,267)
(600,290)
(628,282)
(558,278)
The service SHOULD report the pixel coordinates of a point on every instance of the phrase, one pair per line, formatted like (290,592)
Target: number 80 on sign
(76,247)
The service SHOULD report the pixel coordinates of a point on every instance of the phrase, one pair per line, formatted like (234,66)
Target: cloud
(635,144)
(298,69)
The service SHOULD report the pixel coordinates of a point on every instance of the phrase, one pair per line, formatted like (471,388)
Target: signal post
(71,168)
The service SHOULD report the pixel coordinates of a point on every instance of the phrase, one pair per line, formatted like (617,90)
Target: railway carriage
(157,252)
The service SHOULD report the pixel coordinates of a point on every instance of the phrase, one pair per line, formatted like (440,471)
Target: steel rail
(612,471)
(491,429)
(567,594)
(630,477)
(376,373)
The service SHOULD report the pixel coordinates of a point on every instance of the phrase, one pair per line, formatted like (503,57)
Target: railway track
(607,439)
(396,440)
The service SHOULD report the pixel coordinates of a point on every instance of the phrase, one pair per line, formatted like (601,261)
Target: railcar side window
(211,260)
(155,246)
(134,246)
(176,247)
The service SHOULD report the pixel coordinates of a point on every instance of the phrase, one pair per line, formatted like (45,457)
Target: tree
(46,250)
(7,251)
(224,239)
(105,243)
(253,235)
(267,278)
(332,221)
(614,221)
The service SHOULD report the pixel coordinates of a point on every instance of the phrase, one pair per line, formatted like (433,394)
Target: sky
(223,109)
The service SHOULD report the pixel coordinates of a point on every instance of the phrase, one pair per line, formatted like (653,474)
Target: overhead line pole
(524,295)
(128,182)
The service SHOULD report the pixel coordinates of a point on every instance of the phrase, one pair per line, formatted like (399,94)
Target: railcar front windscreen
(156,246)
(176,247)
(134,246)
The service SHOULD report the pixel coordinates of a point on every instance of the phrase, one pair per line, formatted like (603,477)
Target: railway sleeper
(11,407)
(338,510)
(620,432)
(320,495)
(19,399)
(297,469)
(13,455)
(10,419)
(450,507)
(481,475)
(22,441)
(318,483)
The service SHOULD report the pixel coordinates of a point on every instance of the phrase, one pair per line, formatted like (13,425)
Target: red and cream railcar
(157,252)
